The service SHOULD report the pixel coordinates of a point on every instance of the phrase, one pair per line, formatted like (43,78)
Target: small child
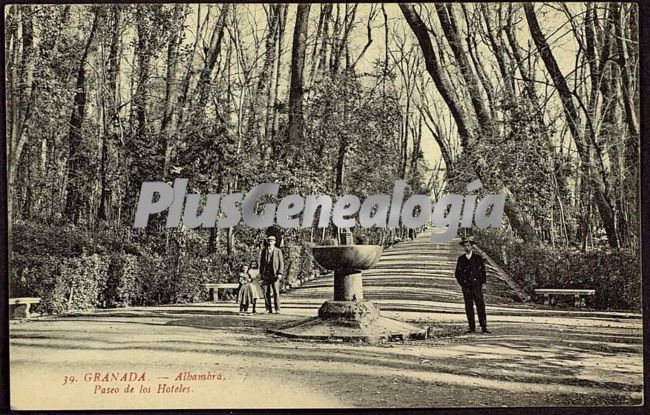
(244,296)
(256,288)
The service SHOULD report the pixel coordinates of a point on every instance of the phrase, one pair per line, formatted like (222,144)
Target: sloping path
(412,271)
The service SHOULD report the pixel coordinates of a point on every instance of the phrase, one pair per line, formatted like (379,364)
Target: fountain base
(350,320)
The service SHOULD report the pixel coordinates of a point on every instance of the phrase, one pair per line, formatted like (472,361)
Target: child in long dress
(256,288)
(244,296)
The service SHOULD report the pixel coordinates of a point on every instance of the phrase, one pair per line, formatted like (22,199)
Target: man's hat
(271,237)
(468,240)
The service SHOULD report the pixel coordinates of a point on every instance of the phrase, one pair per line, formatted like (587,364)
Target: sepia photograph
(323,205)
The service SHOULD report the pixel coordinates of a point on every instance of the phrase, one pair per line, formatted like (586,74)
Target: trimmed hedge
(69,283)
(615,275)
(71,268)
(121,281)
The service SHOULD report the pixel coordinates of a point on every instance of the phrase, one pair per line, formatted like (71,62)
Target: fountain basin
(342,257)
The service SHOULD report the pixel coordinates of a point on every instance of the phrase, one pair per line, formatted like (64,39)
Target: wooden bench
(214,289)
(578,294)
(23,304)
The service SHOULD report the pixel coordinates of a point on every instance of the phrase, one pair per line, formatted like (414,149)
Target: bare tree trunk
(296,120)
(272,126)
(529,82)
(348,24)
(203,87)
(140,102)
(21,89)
(371,16)
(187,79)
(110,110)
(314,51)
(334,40)
(434,128)
(497,50)
(440,80)
(448,23)
(472,49)
(168,110)
(75,176)
(532,96)
(405,137)
(628,98)
(260,114)
(340,167)
(325,40)
(416,133)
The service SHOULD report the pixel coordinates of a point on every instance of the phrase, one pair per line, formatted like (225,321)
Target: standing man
(271,270)
(470,274)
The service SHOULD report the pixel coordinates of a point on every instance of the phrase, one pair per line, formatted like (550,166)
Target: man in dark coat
(470,274)
(271,270)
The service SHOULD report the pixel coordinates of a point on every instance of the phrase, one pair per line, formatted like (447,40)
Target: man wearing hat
(271,270)
(470,274)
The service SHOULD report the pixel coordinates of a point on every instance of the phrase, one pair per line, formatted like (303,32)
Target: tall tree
(441,81)
(296,120)
(212,53)
(20,58)
(170,82)
(596,181)
(469,126)
(76,176)
(110,109)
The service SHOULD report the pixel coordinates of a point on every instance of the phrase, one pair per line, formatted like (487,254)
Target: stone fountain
(349,316)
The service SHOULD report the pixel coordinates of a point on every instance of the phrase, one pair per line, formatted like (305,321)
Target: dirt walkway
(554,361)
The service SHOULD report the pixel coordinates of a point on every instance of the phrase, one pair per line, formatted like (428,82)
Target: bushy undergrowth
(71,268)
(615,275)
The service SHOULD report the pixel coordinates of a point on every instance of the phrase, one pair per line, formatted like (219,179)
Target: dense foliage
(615,275)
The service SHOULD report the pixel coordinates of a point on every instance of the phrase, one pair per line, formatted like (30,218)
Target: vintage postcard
(327,205)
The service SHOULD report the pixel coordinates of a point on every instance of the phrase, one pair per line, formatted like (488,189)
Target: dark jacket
(470,272)
(269,270)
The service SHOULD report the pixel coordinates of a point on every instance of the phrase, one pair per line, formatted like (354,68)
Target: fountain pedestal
(348,316)
(348,285)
